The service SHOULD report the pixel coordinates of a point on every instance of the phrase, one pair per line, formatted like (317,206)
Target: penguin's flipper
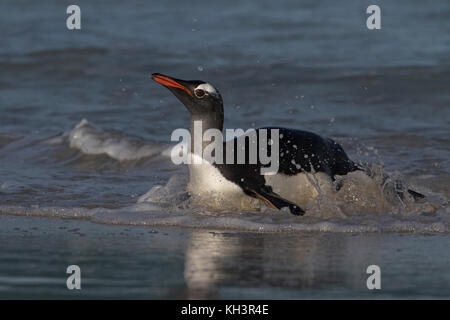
(416,195)
(275,201)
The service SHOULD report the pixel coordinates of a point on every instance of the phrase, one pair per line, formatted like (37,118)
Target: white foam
(55,212)
(182,214)
(367,210)
(95,141)
(258,222)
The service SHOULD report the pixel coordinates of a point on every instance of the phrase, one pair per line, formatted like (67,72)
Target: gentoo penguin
(304,158)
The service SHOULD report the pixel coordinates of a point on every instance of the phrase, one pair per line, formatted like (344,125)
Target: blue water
(313,65)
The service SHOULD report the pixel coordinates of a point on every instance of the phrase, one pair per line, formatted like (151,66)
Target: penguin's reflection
(217,261)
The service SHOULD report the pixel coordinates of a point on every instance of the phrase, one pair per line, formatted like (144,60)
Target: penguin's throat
(202,128)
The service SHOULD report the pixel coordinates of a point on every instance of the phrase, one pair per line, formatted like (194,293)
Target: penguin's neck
(199,125)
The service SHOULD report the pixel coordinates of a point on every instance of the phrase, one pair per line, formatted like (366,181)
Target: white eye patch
(209,89)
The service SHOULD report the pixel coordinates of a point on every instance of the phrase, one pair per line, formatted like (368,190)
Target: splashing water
(372,200)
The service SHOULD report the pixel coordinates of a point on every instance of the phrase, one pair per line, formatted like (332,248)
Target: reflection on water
(251,265)
(227,260)
(176,263)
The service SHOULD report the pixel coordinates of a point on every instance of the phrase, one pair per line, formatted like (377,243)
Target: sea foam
(92,140)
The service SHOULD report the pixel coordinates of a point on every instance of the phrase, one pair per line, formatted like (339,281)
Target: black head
(200,98)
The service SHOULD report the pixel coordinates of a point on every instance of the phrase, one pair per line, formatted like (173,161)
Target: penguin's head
(200,98)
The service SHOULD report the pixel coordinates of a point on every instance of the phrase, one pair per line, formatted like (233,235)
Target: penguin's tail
(400,189)
(399,186)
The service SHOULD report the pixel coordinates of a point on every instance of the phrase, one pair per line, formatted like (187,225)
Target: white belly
(209,188)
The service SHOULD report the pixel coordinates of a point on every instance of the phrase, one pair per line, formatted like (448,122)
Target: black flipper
(275,201)
(416,195)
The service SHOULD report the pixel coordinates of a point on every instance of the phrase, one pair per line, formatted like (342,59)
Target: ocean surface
(85,133)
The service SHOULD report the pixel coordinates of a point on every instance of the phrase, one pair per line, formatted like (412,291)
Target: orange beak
(169,82)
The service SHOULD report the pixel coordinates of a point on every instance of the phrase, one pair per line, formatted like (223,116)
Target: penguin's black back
(303,151)
(299,152)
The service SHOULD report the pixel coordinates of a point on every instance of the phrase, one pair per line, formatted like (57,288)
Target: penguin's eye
(199,93)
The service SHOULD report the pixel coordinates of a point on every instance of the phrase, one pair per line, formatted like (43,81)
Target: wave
(94,141)
(8,138)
